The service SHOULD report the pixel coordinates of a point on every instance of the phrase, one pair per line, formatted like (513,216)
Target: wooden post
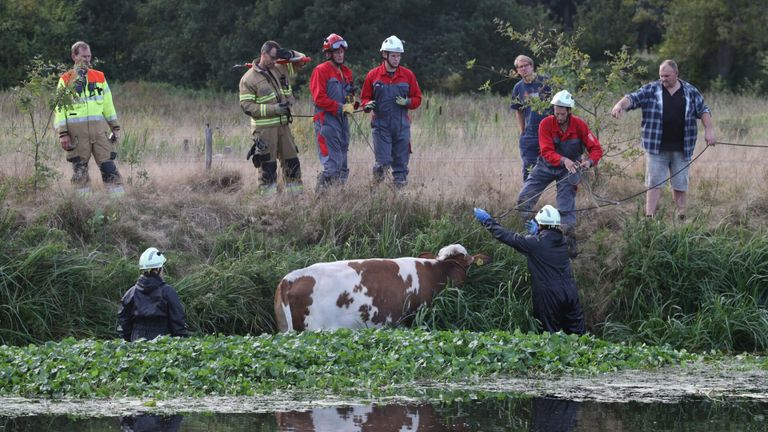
(208,146)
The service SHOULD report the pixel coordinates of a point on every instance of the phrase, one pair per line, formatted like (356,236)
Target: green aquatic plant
(374,361)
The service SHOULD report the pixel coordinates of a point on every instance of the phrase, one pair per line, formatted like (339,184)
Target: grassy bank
(370,361)
(694,286)
(66,260)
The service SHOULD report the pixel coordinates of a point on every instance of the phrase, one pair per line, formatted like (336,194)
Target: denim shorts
(659,167)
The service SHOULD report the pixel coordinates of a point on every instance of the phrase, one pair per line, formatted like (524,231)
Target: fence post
(208,146)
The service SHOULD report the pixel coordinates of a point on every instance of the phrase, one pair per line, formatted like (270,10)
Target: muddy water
(696,398)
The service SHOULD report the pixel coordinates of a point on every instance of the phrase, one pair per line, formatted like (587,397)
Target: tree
(594,87)
(716,39)
(37,98)
(30,28)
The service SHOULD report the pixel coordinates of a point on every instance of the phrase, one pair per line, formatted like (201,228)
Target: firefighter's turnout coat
(261,91)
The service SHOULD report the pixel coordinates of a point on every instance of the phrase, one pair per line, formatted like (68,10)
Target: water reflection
(485,412)
(553,415)
(150,423)
(377,418)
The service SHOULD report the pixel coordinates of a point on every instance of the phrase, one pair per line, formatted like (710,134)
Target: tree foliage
(194,43)
(717,40)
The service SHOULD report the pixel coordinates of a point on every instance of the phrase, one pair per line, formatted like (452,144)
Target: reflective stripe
(263,110)
(249,96)
(291,70)
(90,99)
(267,98)
(265,122)
(84,119)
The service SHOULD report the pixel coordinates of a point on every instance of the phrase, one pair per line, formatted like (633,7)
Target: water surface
(503,412)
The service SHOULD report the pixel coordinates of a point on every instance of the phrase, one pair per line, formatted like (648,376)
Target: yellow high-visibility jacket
(93,107)
(261,91)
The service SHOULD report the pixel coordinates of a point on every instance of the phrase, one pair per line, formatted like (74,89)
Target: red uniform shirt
(555,143)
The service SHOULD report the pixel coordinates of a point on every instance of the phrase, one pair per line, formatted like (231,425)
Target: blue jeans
(542,175)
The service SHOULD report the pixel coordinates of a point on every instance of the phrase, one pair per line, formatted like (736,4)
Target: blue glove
(532,226)
(481,215)
(402,101)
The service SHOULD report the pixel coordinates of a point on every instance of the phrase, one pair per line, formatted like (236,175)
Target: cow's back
(353,294)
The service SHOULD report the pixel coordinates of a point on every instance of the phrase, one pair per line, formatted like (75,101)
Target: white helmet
(151,259)
(392,44)
(548,215)
(563,98)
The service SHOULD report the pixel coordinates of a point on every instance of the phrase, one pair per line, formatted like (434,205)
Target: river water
(705,397)
(504,413)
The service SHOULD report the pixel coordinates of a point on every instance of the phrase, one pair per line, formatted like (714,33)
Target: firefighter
(563,140)
(266,96)
(333,93)
(89,126)
(553,288)
(151,307)
(390,90)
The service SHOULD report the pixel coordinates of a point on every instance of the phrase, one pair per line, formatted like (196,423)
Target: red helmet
(334,42)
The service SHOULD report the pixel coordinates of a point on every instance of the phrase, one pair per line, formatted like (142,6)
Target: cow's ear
(427,255)
(481,259)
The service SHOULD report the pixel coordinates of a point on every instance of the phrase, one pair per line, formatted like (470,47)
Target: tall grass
(66,260)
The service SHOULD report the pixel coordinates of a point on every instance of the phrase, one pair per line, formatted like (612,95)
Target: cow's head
(456,255)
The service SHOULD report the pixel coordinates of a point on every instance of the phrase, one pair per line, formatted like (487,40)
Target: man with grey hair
(670,108)
(266,96)
(89,126)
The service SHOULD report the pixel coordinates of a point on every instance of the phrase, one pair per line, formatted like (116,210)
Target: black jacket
(555,297)
(149,309)
(547,253)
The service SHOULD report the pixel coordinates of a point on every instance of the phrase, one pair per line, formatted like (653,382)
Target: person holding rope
(563,138)
(553,288)
(333,92)
(266,96)
(390,90)
(670,107)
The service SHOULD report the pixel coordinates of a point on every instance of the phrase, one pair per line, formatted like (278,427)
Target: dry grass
(465,150)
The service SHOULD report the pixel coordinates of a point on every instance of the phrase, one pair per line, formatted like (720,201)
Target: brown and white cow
(367,292)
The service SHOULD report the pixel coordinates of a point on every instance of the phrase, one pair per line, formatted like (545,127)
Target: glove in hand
(371,105)
(481,215)
(283,108)
(532,227)
(348,108)
(402,101)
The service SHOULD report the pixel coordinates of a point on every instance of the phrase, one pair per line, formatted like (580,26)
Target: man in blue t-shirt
(530,101)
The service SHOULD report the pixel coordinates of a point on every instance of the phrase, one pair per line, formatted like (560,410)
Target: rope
(606,201)
(617,202)
(742,145)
